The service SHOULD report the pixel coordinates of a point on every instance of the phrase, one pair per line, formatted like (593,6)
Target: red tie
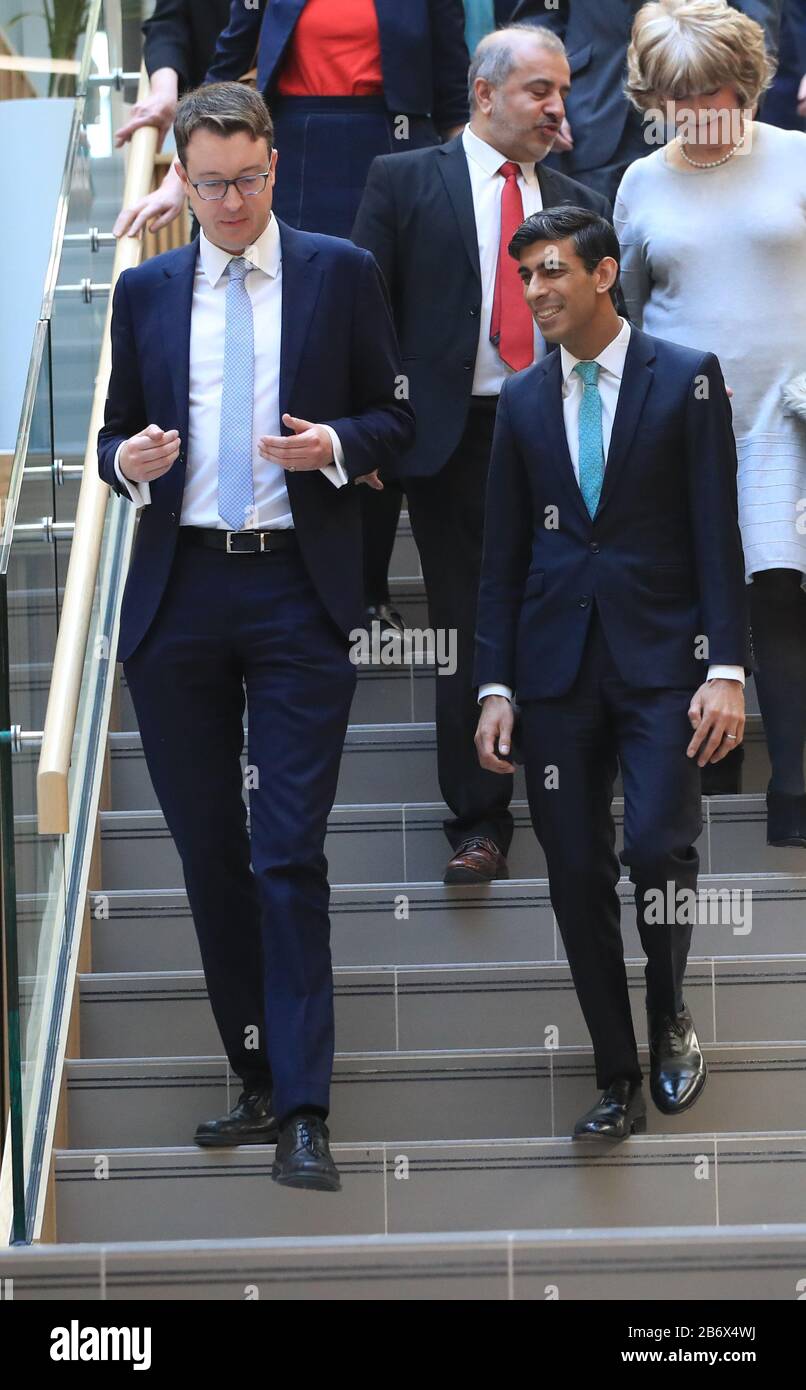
(512,328)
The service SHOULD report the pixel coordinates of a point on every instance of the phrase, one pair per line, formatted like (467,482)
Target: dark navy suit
(202,632)
(605,627)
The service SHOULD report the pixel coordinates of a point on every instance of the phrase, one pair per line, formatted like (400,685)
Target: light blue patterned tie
(236,496)
(591,439)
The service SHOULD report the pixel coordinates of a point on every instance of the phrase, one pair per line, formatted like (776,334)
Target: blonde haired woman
(713,234)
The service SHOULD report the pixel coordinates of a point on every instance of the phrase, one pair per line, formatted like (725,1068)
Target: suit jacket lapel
(278,25)
(549,192)
(551,425)
(635,383)
(456,176)
(176,305)
(302,280)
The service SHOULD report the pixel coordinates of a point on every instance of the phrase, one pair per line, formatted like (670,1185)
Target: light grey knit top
(716,259)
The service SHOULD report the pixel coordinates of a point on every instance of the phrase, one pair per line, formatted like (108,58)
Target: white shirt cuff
(726,673)
(140,493)
(493,689)
(335,471)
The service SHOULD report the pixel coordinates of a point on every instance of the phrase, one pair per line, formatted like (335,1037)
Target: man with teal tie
(612,601)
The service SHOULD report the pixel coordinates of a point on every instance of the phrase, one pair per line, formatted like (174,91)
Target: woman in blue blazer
(347,80)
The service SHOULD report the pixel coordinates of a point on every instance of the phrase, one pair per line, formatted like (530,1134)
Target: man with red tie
(439,222)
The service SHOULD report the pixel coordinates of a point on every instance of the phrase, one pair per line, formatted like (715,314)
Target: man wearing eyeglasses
(253,382)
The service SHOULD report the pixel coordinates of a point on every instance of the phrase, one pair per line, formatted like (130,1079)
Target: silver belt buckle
(230,550)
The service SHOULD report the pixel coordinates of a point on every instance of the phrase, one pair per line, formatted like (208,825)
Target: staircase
(450,1115)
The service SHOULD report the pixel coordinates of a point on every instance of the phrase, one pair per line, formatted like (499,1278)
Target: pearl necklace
(715,164)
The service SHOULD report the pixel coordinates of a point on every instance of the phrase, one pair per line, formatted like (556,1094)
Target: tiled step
(384,695)
(377,758)
(429,924)
(418,1008)
(695,1180)
(392,1097)
(406,844)
(690,1264)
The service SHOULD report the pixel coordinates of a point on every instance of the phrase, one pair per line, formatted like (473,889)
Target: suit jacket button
(594,547)
(474,311)
(584,601)
(468,364)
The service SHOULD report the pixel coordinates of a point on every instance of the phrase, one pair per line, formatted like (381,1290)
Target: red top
(334,51)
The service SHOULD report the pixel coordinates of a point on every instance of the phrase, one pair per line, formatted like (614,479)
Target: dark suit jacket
(417,218)
(182,34)
(423,52)
(596,34)
(793,33)
(662,558)
(339,366)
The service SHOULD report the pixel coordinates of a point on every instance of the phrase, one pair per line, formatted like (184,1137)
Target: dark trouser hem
(256,1081)
(304,1108)
(499,831)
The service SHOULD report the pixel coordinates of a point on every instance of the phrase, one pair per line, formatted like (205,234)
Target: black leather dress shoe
(303,1158)
(252,1121)
(619,1112)
(786,820)
(677,1066)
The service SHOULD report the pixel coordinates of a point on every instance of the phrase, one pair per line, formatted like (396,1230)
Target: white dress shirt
(264,285)
(611,362)
(487,185)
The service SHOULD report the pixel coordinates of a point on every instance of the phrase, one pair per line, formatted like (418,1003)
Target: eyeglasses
(215,190)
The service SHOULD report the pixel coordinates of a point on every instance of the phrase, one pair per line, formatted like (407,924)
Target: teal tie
(479,20)
(591,440)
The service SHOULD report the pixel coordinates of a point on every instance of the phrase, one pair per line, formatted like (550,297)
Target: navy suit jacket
(423,53)
(339,366)
(417,219)
(596,34)
(793,35)
(662,558)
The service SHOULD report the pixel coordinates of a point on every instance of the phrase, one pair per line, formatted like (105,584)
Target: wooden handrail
(11,63)
(52,795)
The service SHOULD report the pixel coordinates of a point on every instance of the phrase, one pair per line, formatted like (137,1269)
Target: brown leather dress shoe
(476,861)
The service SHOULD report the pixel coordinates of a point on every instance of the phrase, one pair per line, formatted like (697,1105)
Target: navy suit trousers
(572,748)
(235,631)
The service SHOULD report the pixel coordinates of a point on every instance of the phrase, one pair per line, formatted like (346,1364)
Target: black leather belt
(240,542)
